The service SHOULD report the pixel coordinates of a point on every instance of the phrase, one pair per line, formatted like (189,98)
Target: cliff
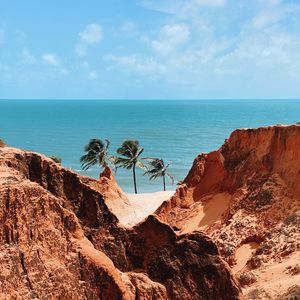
(246,197)
(59,240)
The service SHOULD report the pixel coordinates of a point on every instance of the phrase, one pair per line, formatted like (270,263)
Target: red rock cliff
(59,240)
(246,196)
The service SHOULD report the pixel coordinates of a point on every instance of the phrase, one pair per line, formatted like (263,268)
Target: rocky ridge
(59,240)
(246,197)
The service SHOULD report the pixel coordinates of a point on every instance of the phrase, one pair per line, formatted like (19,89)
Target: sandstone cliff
(59,240)
(246,197)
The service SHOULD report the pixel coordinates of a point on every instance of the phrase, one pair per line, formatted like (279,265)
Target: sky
(150,49)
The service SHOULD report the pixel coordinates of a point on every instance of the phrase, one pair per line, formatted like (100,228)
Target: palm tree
(96,152)
(131,151)
(158,168)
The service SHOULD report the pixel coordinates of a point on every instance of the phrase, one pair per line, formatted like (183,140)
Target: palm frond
(150,172)
(88,164)
(139,152)
(140,165)
(112,159)
(170,176)
(148,158)
(95,145)
(123,163)
(167,166)
(154,176)
(130,151)
(96,151)
(158,168)
(107,143)
(129,148)
(86,157)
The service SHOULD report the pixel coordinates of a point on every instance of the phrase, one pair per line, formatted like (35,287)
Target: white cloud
(133,64)
(91,34)
(264,19)
(93,75)
(129,60)
(170,37)
(209,3)
(81,50)
(88,71)
(270,2)
(128,27)
(27,57)
(251,63)
(84,65)
(181,7)
(227,48)
(50,59)
(213,44)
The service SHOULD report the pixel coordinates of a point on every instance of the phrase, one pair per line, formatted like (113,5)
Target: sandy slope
(206,213)
(242,255)
(139,206)
(274,278)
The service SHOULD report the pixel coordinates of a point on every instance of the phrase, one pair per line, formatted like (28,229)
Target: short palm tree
(130,152)
(158,168)
(96,152)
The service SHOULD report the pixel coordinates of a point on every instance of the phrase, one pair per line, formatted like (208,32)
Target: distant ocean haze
(175,130)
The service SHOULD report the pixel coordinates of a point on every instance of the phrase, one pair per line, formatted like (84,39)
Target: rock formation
(246,197)
(59,240)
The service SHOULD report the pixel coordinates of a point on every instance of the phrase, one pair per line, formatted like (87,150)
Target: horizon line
(148,99)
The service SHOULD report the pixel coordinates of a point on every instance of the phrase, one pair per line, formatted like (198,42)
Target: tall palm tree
(130,151)
(96,152)
(158,168)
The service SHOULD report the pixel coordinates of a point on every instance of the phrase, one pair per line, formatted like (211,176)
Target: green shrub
(293,219)
(265,197)
(56,159)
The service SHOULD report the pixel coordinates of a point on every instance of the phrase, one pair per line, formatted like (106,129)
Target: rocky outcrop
(246,197)
(59,240)
(107,186)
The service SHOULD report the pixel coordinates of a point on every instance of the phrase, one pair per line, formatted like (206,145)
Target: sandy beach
(138,206)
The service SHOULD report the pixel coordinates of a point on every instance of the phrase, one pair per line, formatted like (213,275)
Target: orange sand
(207,212)
(242,255)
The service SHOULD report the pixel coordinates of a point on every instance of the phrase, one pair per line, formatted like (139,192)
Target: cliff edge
(246,197)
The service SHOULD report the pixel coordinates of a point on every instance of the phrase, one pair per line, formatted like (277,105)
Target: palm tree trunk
(164,181)
(134,179)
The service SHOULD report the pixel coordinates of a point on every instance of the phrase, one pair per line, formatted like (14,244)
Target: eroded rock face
(246,197)
(59,240)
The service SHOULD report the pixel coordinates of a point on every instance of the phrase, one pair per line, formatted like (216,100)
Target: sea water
(176,131)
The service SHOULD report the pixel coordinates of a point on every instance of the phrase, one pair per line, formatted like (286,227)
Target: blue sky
(154,49)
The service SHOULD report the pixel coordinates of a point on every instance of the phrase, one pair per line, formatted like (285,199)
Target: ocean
(175,130)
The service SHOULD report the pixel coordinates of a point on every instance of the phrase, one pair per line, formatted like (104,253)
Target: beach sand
(139,206)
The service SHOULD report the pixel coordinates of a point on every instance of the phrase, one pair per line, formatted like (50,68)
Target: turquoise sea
(173,130)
